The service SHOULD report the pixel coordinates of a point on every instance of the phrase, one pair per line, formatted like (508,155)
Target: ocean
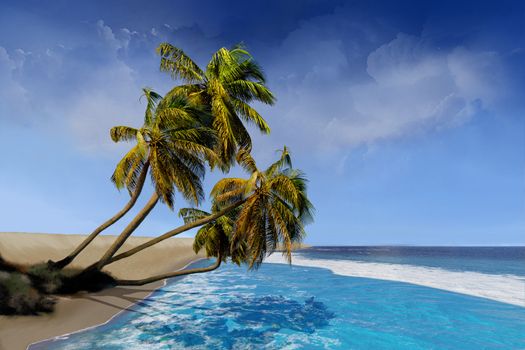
(319,303)
(490,260)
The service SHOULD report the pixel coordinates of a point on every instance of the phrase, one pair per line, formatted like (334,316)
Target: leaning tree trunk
(169,275)
(174,232)
(138,189)
(132,226)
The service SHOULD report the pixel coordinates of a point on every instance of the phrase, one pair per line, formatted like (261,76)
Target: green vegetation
(198,123)
(18,296)
(29,290)
(231,81)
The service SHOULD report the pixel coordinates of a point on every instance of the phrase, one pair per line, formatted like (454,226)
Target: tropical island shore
(85,310)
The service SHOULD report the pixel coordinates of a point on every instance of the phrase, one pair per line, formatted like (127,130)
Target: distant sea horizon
(482,259)
(418,245)
(394,244)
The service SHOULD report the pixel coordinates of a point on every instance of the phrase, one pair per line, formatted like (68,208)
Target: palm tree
(275,212)
(175,144)
(231,81)
(131,173)
(249,219)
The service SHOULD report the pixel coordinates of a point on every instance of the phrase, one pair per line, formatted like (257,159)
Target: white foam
(504,288)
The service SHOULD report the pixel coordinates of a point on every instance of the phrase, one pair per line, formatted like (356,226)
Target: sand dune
(82,311)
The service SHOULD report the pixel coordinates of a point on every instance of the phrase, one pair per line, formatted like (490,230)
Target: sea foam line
(504,288)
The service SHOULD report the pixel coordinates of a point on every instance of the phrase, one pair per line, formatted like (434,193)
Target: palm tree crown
(275,211)
(231,81)
(173,142)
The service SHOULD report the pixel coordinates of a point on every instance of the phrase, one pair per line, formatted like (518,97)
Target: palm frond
(170,117)
(128,168)
(192,214)
(223,66)
(284,161)
(248,91)
(152,99)
(252,71)
(123,133)
(222,125)
(228,190)
(250,115)
(161,176)
(241,135)
(245,159)
(174,61)
(195,93)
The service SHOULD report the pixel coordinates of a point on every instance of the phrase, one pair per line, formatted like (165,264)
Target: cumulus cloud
(341,82)
(410,87)
(12,93)
(109,97)
(84,89)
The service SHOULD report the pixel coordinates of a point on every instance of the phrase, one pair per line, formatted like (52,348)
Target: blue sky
(408,118)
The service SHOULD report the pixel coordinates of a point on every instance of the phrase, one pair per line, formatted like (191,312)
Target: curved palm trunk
(175,232)
(138,189)
(132,226)
(169,275)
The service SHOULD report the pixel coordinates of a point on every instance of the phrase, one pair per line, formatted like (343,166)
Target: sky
(407,116)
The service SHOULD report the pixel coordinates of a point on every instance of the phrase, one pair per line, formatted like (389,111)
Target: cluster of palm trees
(200,123)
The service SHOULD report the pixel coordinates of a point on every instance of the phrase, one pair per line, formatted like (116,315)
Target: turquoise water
(283,307)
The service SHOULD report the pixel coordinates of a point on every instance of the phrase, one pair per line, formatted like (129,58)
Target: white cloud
(478,75)
(106,33)
(84,90)
(340,83)
(12,93)
(110,97)
(411,88)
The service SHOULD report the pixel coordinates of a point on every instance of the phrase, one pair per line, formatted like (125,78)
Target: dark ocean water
(491,260)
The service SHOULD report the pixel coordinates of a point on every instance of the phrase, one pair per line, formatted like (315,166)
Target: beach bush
(29,290)
(18,296)
(6,266)
(88,281)
(49,280)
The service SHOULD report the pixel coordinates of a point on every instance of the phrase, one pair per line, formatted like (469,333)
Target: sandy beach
(85,310)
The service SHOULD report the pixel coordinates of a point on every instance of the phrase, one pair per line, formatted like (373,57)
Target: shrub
(90,281)
(49,280)
(27,290)
(18,296)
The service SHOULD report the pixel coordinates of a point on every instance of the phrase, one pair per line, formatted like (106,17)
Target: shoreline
(127,309)
(86,310)
(508,289)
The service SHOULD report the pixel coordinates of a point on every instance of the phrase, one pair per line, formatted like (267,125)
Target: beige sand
(86,310)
